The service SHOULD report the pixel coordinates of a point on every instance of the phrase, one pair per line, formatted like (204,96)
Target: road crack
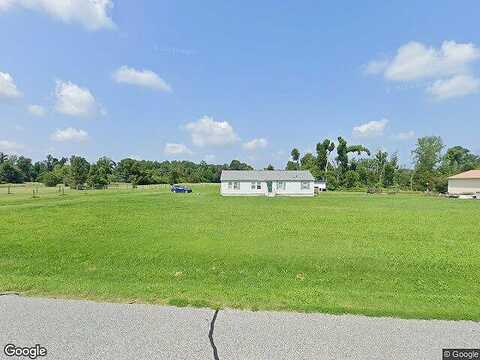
(210,335)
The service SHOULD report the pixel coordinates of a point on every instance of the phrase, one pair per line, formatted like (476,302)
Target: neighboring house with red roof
(465,183)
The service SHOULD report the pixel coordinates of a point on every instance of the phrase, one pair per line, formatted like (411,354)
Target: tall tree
(79,168)
(391,172)
(292,165)
(295,155)
(25,166)
(380,159)
(106,164)
(323,151)
(237,165)
(97,176)
(428,153)
(458,159)
(309,162)
(104,168)
(124,169)
(343,150)
(342,154)
(59,175)
(359,149)
(427,157)
(9,173)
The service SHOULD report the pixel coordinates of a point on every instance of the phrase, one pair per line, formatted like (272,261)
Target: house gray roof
(266,175)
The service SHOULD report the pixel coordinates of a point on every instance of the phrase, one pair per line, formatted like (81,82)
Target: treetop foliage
(354,166)
(77,171)
(343,166)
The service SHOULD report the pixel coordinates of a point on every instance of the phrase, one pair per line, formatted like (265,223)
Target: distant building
(465,183)
(266,183)
(320,185)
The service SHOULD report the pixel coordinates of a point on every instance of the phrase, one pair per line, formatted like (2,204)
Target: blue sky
(219,80)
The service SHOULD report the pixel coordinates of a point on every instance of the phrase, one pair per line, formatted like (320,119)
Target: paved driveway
(71,329)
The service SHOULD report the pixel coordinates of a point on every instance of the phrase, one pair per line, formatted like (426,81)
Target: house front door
(269,186)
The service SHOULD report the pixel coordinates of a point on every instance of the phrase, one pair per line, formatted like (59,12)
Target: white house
(320,185)
(266,183)
(465,183)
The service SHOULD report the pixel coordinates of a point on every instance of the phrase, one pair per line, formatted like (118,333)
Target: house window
(236,185)
(259,185)
(256,185)
(281,185)
(230,185)
(305,185)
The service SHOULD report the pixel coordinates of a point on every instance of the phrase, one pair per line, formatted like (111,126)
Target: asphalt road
(71,329)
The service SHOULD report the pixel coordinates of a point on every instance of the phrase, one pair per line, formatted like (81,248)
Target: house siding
(463,186)
(292,188)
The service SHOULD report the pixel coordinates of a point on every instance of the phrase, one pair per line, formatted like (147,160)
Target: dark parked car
(180,189)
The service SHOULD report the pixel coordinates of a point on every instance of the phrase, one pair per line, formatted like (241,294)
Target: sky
(248,80)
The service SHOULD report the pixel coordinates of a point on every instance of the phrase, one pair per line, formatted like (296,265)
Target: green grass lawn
(398,255)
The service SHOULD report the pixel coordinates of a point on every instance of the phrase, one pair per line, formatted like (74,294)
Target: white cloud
(10,146)
(36,110)
(407,135)
(376,66)
(255,144)
(209,157)
(415,61)
(6,4)
(75,101)
(450,66)
(8,89)
(145,78)
(176,149)
(69,134)
(459,85)
(208,132)
(92,14)
(370,129)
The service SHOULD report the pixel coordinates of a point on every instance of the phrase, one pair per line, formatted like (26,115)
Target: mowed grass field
(407,256)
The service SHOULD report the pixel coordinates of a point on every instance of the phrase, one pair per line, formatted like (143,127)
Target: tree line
(77,172)
(342,165)
(346,166)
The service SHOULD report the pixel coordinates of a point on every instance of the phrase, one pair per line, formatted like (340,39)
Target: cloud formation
(92,14)
(450,67)
(145,78)
(370,129)
(74,100)
(10,146)
(255,144)
(8,89)
(37,110)
(176,149)
(407,135)
(457,86)
(209,157)
(415,61)
(208,132)
(69,134)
